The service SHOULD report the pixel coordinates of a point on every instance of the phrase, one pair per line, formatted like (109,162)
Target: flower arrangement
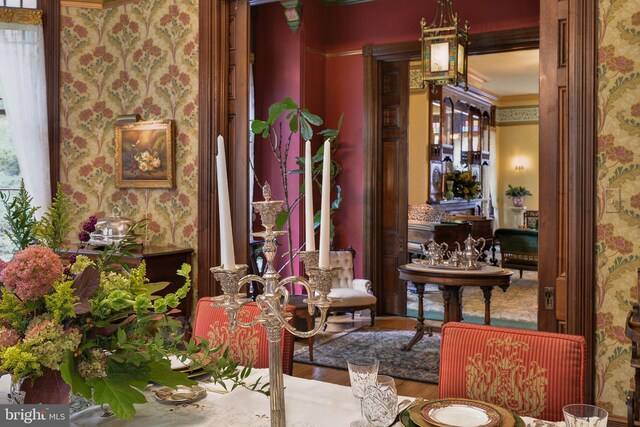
(465,184)
(103,327)
(147,161)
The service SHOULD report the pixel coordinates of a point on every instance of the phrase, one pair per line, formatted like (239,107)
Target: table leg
(310,324)
(486,290)
(452,303)
(420,325)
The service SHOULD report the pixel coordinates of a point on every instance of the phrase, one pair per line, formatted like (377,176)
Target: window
(9,177)
(26,4)
(23,139)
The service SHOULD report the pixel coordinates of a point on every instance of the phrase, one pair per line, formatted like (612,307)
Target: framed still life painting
(145,155)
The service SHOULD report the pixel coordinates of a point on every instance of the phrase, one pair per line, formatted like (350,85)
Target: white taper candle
(325,227)
(226,233)
(308,199)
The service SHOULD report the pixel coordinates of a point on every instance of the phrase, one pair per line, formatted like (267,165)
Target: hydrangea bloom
(3,264)
(32,272)
(50,341)
(8,337)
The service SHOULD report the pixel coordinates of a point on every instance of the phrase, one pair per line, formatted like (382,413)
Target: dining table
(309,403)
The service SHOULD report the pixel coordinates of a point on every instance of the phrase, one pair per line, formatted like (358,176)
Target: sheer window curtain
(23,88)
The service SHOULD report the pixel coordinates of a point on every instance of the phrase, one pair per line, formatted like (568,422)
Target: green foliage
(105,329)
(55,223)
(20,218)
(20,361)
(518,191)
(298,120)
(465,184)
(117,391)
(14,312)
(60,303)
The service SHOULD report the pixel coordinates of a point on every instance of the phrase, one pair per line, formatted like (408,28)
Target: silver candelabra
(275,298)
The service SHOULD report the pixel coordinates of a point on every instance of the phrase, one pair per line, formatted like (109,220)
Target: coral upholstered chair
(527,372)
(248,346)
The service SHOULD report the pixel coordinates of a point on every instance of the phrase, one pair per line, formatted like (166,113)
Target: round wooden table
(451,282)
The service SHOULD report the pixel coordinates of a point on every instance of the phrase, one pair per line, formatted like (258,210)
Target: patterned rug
(516,308)
(419,364)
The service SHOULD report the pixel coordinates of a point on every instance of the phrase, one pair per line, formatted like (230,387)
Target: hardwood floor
(341,377)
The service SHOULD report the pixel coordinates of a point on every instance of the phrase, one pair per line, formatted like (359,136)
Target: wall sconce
(293,13)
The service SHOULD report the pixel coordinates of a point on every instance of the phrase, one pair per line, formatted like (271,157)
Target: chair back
(518,248)
(248,346)
(527,372)
(344,260)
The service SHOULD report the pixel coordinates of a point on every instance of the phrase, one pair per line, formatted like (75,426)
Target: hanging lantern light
(445,48)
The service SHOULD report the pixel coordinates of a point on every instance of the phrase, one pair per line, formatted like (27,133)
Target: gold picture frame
(145,154)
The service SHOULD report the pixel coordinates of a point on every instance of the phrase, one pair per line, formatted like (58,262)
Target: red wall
(334,85)
(277,75)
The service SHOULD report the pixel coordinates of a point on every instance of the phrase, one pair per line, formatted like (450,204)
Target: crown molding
(95,4)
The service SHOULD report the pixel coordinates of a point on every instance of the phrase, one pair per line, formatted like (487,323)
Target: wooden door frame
(374,56)
(223,110)
(581,281)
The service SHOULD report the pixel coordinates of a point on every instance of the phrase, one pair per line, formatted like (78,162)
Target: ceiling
(506,74)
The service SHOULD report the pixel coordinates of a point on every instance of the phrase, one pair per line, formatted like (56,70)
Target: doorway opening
(493,133)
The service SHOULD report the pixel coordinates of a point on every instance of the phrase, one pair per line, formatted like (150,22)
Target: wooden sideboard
(162,263)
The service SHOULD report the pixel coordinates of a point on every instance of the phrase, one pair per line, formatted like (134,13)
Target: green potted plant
(300,121)
(517,194)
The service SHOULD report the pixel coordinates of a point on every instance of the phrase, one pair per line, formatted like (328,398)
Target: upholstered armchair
(354,294)
(518,248)
(530,373)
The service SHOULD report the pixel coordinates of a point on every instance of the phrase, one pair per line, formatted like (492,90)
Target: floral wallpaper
(618,233)
(143,59)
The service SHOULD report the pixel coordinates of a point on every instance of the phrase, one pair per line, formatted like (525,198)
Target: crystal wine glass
(363,372)
(380,404)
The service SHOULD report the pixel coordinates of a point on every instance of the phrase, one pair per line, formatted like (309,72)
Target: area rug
(516,308)
(419,364)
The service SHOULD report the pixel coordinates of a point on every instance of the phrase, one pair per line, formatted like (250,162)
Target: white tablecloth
(308,403)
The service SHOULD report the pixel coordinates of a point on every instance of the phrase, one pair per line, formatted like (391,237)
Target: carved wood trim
(95,4)
(568,140)
(373,56)
(223,62)
(583,142)
(237,107)
(51,31)
(211,43)
(504,41)
(371,191)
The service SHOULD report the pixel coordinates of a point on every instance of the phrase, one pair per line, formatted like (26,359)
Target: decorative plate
(459,413)
(180,395)
(179,365)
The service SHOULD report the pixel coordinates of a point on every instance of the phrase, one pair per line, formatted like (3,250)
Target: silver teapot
(455,257)
(434,253)
(471,252)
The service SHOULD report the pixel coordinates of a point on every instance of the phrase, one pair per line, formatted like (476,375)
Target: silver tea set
(439,255)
